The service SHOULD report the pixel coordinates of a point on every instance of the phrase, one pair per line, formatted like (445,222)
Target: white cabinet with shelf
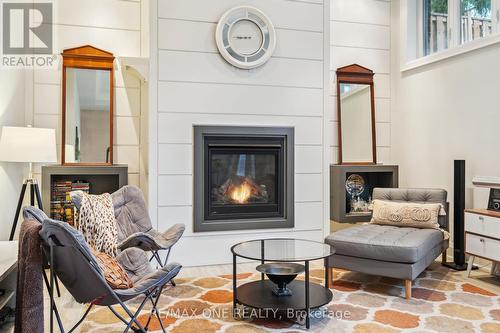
(482,236)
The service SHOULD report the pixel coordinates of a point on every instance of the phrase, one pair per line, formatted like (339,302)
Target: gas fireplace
(243,178)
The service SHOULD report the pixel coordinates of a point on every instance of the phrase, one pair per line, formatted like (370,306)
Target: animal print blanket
(97,223)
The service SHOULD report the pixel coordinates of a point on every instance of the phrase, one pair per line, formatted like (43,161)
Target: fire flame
(241,193)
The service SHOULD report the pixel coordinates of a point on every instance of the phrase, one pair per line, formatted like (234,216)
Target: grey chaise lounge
(397,252)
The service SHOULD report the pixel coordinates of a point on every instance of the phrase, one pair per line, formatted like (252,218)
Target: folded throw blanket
(97,223)
(29,293)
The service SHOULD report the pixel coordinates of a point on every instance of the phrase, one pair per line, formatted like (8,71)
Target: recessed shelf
(371,175)
(138,65)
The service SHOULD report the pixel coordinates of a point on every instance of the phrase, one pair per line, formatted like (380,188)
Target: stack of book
(80,186)
(61,207)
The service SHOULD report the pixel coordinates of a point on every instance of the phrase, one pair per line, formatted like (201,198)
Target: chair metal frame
(153,294)
(47,284)
(156,255)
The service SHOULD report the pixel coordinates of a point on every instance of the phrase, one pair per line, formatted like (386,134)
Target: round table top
(282,250)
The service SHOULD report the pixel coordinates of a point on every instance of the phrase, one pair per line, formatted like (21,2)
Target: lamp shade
(28,144)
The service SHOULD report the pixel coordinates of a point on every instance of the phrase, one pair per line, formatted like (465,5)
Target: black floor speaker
(458,263)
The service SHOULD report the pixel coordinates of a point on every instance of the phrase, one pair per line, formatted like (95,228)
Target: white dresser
(482,236)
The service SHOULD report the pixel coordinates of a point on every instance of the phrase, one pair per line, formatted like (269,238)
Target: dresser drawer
(482,246)
(483,225)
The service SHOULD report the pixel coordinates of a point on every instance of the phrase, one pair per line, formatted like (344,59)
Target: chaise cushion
(385,243)
(406,214)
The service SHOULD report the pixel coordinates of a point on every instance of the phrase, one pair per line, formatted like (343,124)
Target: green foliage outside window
(439,6)
(479,8)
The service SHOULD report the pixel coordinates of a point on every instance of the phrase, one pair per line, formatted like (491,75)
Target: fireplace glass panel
(242,179)
(244,182)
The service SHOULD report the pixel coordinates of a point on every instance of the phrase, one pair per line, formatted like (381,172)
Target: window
(476,21)
(435,25)
(443,26)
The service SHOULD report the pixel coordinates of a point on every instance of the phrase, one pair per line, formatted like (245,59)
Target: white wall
(12,97)
(445,111)
(114,26)
(361,33)
(194,85)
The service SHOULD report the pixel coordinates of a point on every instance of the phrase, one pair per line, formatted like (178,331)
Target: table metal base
(259,295)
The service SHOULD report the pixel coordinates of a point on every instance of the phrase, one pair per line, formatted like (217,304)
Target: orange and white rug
(361,303)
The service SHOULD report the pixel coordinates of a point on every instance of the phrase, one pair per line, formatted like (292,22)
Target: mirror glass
(356,123)
(87,138)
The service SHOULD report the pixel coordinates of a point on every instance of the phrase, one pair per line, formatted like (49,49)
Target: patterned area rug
(361,303)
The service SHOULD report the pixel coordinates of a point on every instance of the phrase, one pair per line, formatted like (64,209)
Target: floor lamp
(27,145)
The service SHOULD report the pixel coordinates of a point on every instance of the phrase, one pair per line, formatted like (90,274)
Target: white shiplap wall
(191,85)
(361,33)
(114,26)
(12,104)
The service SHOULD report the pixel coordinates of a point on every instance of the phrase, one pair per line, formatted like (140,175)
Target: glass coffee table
(281,261)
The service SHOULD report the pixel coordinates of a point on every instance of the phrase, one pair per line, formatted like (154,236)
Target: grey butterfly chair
(74,264)
(134,224)
(133,260)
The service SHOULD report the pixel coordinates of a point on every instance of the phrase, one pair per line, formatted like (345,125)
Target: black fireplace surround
(243,178)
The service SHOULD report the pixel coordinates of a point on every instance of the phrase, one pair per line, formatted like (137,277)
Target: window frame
(412,34)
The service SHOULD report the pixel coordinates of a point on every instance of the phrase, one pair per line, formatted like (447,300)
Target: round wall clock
(245,37)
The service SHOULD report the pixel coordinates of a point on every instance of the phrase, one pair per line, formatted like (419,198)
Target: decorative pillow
(115,275)
(406,214)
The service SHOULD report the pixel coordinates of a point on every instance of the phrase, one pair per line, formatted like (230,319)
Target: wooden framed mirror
(87,106)
(356,115)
